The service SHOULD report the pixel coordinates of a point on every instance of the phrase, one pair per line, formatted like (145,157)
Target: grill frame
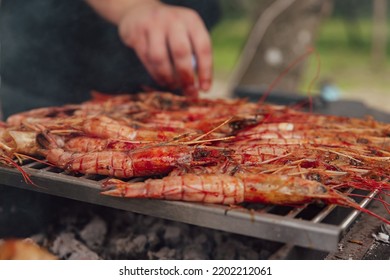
(264,223)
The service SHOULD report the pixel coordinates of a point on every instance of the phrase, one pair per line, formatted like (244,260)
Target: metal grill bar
(351,217)
(275,223)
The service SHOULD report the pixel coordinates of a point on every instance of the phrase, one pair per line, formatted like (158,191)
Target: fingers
(181,54)
(188,41)
(150,45)
(201,43)
(158,60)
(166,44)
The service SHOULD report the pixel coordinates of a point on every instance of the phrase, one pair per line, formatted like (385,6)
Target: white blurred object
(194,62)
(273,56)
(329,92)
(383,234)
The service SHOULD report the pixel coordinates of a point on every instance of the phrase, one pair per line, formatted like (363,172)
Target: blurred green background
(343,42)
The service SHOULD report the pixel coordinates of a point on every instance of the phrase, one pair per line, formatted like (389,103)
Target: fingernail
(205,86)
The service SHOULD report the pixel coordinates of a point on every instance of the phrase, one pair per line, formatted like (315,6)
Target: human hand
(165,39)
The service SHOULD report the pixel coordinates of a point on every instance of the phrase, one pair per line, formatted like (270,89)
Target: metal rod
(355,213)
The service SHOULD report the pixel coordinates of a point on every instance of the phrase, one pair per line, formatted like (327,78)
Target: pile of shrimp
(163,146)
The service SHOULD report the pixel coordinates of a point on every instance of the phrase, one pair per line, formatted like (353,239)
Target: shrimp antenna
(309,51)
(12,163)
(349,202)
(312,82)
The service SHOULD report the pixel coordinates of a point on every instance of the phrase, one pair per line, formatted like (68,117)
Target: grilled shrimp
(225,189)
(105,127)
(230,190)
(19,141)
(145,161)
(46,113)
(85,144)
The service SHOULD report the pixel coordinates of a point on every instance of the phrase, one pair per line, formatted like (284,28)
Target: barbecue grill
(314,228)
(309,226)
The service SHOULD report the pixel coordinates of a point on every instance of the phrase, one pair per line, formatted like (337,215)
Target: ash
(85,231)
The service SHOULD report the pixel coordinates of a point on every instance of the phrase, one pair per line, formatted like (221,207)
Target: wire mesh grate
(311,226)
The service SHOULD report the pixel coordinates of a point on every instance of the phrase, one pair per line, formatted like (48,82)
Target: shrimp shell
(107,128)
(146,161)
(224,189)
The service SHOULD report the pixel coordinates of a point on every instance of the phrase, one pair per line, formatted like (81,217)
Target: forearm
(114,10)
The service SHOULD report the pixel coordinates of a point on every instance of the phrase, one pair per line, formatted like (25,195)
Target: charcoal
(94,233)
(105,233)
(225,251)
(202,241)
(130,247)
(172,235)
(164,253)
(118,247)
(139,243)
(66,246)
(148,221)
(247,253)
(38,238)
(193,252)
(153,240)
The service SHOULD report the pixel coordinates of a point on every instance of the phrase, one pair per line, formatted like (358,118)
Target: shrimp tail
(222,189)
(116,187)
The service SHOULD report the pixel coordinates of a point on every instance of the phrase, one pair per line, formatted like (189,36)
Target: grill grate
(311,226)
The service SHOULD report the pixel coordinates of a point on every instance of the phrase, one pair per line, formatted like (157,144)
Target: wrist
(115,10)
(130,5)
